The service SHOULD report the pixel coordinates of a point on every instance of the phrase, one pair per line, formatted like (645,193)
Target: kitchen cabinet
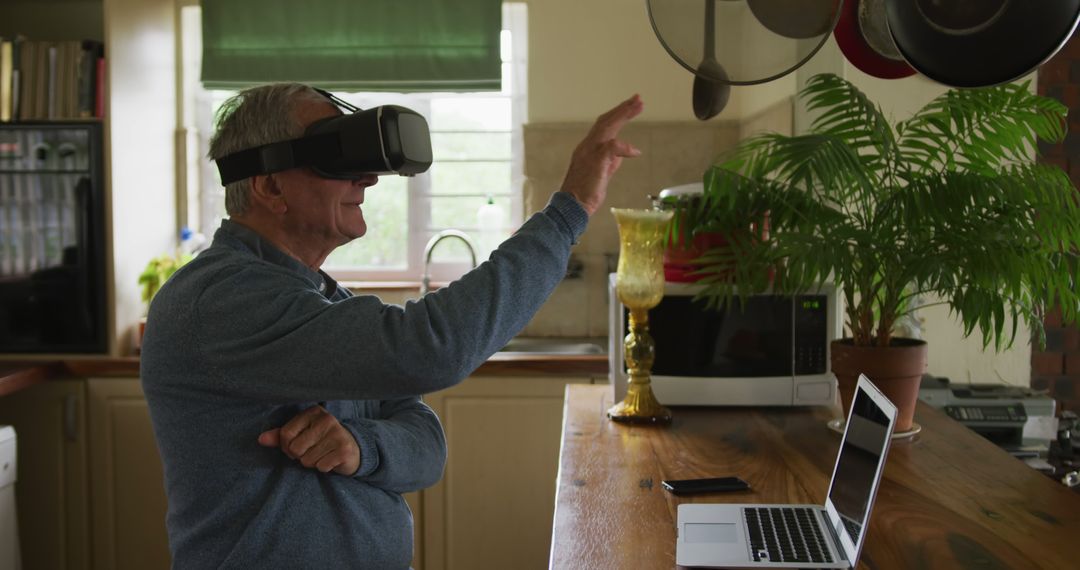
(494,506)
(127,487)
(52,491)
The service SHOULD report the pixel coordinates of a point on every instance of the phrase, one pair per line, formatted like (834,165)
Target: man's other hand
(600,154)
(317,440)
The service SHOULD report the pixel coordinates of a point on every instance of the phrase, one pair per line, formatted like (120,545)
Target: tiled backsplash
(672,154)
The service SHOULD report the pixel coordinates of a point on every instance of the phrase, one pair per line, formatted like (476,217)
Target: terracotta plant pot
(896,370)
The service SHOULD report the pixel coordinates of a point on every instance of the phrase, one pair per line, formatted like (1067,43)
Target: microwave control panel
(810,342)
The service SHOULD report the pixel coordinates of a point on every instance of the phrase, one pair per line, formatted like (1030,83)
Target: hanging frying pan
(798,19)
(977,43)
(863,36)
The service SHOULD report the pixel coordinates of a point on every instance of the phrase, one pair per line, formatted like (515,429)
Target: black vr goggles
(383,140)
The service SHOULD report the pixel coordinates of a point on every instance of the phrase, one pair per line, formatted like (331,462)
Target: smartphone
(711,485)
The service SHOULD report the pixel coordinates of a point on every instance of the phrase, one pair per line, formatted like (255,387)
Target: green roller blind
(360,45)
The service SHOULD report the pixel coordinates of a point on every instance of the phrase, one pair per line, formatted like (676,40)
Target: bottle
(190,242)
(489,225)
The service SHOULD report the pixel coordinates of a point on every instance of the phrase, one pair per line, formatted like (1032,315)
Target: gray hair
(254,117)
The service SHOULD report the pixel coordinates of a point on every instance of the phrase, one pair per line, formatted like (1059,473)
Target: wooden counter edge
(15,376)
(18,375)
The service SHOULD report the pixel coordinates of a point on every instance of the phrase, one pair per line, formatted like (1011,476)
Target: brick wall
(1057,368)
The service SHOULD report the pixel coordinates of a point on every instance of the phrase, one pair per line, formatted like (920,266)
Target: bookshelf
(45,80)
(51,60)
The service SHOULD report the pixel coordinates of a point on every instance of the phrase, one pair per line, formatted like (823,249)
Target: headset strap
(275,157)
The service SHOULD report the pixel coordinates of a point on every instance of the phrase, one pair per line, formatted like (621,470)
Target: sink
(563,346)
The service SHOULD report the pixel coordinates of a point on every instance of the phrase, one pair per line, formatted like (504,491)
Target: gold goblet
(639,283)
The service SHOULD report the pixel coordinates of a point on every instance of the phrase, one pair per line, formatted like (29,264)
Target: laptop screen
(865,443)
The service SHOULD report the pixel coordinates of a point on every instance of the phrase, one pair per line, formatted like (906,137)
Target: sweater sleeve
(293,344)
(403,450)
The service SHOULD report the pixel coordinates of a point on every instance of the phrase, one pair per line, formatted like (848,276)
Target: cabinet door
(126,476)
(494,506)
(51,491)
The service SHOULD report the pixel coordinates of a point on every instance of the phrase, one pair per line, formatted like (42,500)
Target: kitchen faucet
(425,283)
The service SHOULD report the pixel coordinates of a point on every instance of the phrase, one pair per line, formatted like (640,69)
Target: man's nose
(367,180)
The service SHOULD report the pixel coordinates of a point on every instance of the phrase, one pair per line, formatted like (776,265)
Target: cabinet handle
(71,426)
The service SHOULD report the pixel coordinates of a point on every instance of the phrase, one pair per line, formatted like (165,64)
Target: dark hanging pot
(978,43)
(896,370)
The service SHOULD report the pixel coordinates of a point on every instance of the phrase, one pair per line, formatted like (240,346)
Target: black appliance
(52,238)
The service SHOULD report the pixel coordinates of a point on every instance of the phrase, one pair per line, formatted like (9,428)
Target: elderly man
(287,411)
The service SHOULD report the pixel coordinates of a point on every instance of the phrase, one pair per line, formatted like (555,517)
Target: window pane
(386,242)
(470,178)
(470,114)
(456,212)
(477,146)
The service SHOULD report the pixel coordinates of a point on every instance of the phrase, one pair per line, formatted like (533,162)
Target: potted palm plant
(947,205)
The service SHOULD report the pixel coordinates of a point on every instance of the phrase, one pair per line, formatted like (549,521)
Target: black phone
(710,485)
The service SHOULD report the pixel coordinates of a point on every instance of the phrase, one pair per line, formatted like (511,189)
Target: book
(86,65)
(6,53)
(41,81)
(51,83)
(26,80)
(99,88)
(88,81)
(16,76)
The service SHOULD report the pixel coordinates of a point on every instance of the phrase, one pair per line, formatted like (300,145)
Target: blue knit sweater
(244,337)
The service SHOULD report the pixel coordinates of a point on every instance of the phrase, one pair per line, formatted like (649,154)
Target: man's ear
(266,193)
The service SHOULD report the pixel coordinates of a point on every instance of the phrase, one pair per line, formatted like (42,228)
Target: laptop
(800,536)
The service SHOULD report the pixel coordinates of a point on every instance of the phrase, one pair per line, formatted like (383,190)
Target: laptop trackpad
(710,532)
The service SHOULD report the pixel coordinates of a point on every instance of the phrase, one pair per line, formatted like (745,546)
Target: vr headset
(383,140)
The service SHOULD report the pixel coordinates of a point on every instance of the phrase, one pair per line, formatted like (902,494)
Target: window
(476,141)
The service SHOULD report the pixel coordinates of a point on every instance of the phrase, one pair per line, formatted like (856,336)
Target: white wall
(587,55)
(140,118)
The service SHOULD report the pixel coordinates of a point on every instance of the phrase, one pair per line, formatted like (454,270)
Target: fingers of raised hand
(610,123)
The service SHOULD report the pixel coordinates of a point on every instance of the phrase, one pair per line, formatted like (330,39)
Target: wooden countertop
(949,498)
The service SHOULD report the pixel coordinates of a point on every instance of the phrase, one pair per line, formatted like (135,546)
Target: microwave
(772,350)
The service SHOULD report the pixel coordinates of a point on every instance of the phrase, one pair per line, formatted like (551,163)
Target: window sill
(380,285)
(376,286)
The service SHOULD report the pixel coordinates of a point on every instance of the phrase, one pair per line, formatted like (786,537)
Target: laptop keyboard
(785,534)
(853,528)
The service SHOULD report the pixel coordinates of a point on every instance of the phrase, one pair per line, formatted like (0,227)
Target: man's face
(319,208)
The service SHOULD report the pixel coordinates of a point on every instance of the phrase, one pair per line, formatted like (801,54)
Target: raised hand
(599,155)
